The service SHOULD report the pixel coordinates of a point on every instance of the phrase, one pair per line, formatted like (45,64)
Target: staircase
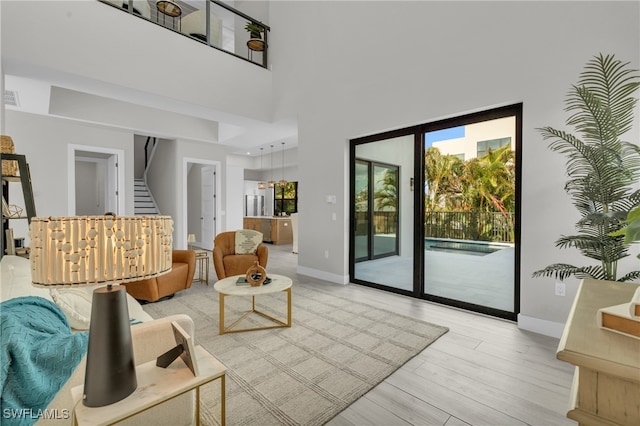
(144,204)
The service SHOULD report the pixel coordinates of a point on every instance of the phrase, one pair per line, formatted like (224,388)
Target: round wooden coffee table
(230,287)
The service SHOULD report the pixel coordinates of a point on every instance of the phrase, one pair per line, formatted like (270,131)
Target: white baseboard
(540,326)
(323,275)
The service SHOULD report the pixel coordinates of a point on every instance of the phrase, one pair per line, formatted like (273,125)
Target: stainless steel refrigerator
(254,205)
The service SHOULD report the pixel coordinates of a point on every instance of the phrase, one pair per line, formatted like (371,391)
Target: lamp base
(110,375)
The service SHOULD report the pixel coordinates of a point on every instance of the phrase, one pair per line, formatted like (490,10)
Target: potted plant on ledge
(255,30)
(255,36)
(601,167)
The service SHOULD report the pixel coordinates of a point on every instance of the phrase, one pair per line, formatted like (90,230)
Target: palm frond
(562,271)
(634,275)
(613,83)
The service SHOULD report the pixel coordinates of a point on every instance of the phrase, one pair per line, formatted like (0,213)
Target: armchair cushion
(227,262)
(179,278)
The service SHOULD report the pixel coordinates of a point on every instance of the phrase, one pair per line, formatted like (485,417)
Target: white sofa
(74,302)
(150,339)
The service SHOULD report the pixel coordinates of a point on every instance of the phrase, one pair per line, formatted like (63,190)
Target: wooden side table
(202,263)
(155,386)
(606,385)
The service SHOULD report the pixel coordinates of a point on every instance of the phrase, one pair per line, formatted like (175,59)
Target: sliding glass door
(382,212)
(470,200)
(435,211)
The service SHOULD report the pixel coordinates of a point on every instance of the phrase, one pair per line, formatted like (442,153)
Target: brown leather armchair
(227,263)
(183,266)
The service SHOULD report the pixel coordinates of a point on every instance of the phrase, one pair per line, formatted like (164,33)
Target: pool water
(463,247)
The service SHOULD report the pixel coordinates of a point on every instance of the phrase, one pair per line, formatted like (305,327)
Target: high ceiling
(51,92)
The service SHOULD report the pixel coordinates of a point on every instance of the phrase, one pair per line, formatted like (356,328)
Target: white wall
(44,141)
(386,65)
(61,39)
(234,209)
(146,120)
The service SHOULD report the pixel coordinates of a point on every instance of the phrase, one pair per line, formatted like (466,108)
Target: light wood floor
(484,371)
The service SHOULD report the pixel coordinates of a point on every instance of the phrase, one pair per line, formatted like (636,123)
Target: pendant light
(261,184)
(283,182)
(272,183)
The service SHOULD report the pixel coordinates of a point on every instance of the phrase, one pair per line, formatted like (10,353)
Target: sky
(443,135)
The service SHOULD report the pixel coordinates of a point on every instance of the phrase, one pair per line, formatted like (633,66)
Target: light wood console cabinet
(276,230)
(606,385)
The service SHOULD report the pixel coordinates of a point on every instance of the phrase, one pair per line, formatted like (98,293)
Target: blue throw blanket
(39,353)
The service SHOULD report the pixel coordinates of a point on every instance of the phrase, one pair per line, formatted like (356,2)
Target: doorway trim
(117,158)
(185,202)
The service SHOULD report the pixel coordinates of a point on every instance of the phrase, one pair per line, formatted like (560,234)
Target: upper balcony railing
(211,22)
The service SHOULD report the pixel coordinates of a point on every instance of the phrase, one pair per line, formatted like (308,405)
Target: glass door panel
(385,210)
(383,236)
(469,236)
(361,201)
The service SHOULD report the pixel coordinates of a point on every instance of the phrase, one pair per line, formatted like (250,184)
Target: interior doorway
(95,175)
(201,206)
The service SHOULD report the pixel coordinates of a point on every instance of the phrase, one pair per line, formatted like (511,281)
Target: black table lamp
(93,250)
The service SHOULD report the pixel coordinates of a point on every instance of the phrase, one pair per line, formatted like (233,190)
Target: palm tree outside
(471,200)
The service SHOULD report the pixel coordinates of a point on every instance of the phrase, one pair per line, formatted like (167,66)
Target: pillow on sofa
(75,302)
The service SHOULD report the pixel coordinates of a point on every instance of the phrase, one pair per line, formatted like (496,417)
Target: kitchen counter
(275,229)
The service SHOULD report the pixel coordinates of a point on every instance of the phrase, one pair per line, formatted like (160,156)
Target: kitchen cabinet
(276,230)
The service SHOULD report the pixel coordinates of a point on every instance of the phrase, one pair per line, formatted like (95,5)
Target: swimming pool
(474,248)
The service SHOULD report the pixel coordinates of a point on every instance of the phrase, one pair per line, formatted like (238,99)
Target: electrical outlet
(561,289)
(326,254)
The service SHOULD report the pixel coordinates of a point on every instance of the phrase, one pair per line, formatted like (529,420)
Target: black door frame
(419,131)
(370,210)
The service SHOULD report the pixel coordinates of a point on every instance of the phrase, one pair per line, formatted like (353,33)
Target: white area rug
(336,350)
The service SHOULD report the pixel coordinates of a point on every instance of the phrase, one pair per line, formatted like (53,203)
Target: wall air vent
(11,98)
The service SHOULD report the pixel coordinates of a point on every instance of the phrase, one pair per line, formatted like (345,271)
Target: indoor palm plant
(601,167)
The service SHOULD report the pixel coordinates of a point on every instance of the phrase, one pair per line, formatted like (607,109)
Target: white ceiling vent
(11,98)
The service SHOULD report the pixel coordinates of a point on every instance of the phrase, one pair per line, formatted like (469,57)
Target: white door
(96,183)
(90,187)
(208,211)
